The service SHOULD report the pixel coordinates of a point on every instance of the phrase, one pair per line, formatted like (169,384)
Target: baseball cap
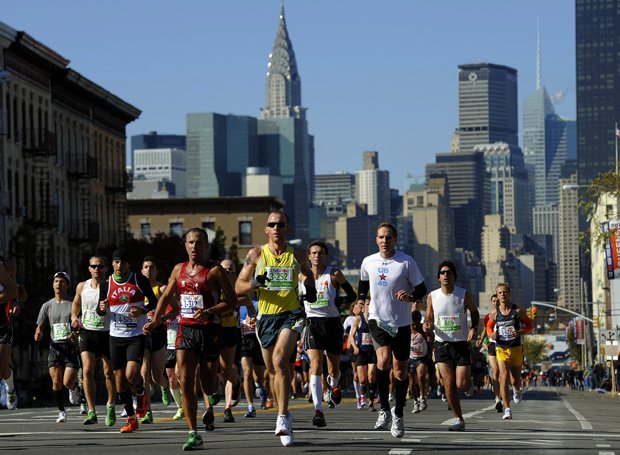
(64,275)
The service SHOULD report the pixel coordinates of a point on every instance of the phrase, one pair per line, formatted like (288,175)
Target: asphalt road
(547,421)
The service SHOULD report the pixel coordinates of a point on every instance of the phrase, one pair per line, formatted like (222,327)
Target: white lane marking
(416,440)
(582,420)
(400,452)
(603,445)
(469,415)
(607,453)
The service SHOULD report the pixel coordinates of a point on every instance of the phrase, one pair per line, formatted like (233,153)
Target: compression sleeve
(362,288)
(418,292)
(529,325)
(351,295)
(103,294)
(147,290)
(490,326)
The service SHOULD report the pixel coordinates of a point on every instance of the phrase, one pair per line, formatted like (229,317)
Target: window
(177,229)
(145,230)
(208,226)
(245,232)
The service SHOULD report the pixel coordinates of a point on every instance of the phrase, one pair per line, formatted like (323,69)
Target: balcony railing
(37,141)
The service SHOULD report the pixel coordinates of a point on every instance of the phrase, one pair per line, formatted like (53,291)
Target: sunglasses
(280,224)
(96,266)
(443,272)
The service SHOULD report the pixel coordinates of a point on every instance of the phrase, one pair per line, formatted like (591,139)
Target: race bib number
(61,331)
(449,323)
(321,300)
(90,319)
(189,304)
(366,339)
(124,321)
(417,350)
(281,278)
(171,337)
(504,332)
(392,331)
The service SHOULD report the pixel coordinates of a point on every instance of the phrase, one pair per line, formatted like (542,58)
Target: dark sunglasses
(96,266)
(280,224)
(443,272)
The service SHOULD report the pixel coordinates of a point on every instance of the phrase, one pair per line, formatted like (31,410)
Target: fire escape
(81,174)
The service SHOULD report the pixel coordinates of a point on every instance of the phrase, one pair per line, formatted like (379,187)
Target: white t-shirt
(387,276)
(450,317)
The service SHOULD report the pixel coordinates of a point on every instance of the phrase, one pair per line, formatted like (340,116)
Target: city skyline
(375,76)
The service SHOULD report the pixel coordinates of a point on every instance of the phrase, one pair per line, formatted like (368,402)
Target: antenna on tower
(538,78)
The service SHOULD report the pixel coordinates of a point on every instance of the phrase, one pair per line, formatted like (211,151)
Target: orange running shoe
(130,426)
(141,407)
(269,403)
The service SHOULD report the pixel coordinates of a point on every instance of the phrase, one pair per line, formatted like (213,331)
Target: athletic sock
(400,394)
(358,389)
(59,399)
(333,382)
(372,390)
(10,386)
(176,394)
(316,389)
(383,386)
(127,401)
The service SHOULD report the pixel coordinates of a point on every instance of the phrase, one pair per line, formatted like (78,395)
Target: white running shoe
(416,407)
(124,413)
(470,391)
(384,420)
(507,414)
(517,396)
(458,425)
(398,427)
(423,405)
(283,425)
(62,417)
(74,395)
(83,408)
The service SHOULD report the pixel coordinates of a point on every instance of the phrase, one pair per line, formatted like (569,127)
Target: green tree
(233,254)
(573,348)
(534,350)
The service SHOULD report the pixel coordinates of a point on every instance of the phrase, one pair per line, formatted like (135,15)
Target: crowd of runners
(273,328)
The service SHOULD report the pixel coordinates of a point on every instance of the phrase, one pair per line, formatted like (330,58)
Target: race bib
(417,350)
(366,339)
(392,331)
(321,300)
(189,304)
(124,321)
(61,331)
(281,278)
(91,320)
(504,332)
(171,337)
(449,323)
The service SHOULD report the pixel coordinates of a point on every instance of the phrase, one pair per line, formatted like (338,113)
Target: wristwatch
(210,312)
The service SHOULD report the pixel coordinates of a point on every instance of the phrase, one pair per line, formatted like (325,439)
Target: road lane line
(469,415)
(582,420)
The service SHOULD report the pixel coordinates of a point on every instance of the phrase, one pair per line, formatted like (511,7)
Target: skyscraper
(548,140)
(288,147)
(598,84)
(152,140)
(488,109)
(372,187)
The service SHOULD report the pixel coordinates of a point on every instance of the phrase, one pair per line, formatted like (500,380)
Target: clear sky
(376,75)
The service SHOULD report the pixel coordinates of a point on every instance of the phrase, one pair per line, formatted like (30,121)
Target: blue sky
(376,75)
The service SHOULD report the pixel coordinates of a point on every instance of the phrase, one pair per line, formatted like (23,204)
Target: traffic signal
(595,321)
(530,313)
(534,312)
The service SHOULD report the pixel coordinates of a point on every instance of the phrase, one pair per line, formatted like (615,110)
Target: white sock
(333,382)
(250,407)
(316,388)
(176,394)
(10,386)
(358,389)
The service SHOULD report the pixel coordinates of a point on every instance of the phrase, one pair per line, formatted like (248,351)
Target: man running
(489,344)
(511,323)
(94,338)
(199,283)
(251,358)
(446,315)
(275,268)
(123,295)
(324,330)
(63,359)
(394,281)
(365,358)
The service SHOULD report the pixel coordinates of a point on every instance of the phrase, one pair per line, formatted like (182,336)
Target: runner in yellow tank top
(271,271)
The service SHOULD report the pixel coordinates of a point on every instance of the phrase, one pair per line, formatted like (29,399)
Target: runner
(154,361)
(419,361)
(324,331)
(489,344)
(94,338)
(251,358)
(276,267)
(172,330)
(63,359)
(393,278)
(365,359)
(508,325)
(446,314)
(123,295)
(199,283)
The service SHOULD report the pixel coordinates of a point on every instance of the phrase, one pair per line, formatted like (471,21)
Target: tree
(606,184)
(534,350)
(574,348)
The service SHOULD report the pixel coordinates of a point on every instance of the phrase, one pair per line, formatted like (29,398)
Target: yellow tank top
(157,293)
(229,318)
(280,293)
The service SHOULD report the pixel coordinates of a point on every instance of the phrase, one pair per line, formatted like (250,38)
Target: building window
(245,232)
(208,226)
(145,230)
(176,229)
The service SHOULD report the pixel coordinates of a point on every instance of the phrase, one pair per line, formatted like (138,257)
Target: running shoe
(148,417)
(365,400)
(443,398)
(288,439)
(319,419)
(91,419)
(194,441)
(228,416)
(310,400)
(391,397)
(269,404)
(83,408)
(408,396)
(283,424)
(423,404)
(110,418)
(235,394)
(208,420)
(216,397)
(470,391)
(371,407)
(141,406)
(416,407)
(507,414)
(62,417)
(335,395)
(11,399)
(458,425)
(517,396)
(74,395)
(360,405)
(124,413)
(384,420)
(261,392)
(398,426)
(180,415)
(499,407)
(251,412)
(130,426)
(166,396)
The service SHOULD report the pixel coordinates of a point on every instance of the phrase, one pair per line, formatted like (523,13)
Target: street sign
(611,350)
(609,335)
